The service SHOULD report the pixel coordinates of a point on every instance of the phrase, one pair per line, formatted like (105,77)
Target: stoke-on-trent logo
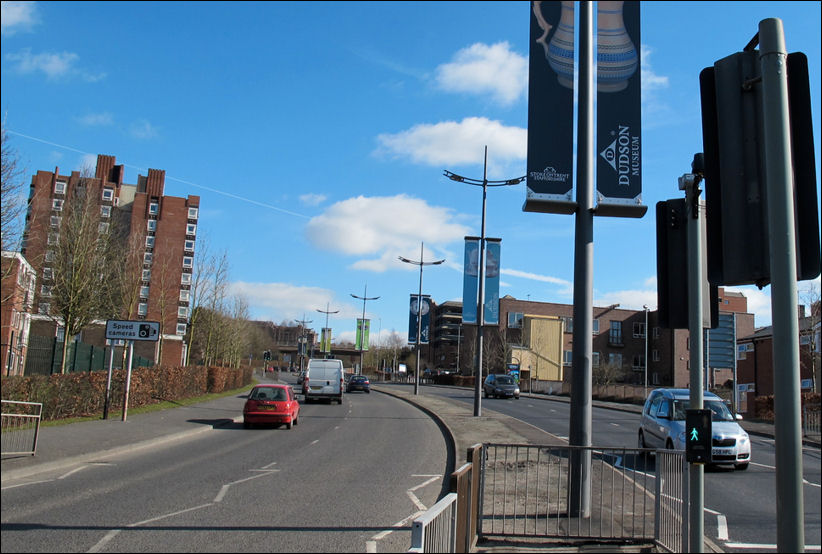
(549,174)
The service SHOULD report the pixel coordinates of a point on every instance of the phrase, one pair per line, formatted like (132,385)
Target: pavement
(64,447)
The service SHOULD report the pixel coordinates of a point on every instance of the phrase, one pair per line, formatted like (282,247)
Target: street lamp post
(420,263)
(362,325)
(301,347)
(326,312)
(485,183)
(645,307)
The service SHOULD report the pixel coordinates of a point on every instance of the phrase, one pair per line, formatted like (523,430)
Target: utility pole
(301,340)
(364,297)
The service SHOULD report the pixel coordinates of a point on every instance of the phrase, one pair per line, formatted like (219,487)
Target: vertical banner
(491,292)
(415,309)
(363,326)
(325,340)
(619,129)
(550,109)
(470,281)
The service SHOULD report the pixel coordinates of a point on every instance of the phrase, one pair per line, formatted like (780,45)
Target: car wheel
(669,444)
(290,423)
(517,397)
(741,467)
(368,391)
(641,440)
(486,394)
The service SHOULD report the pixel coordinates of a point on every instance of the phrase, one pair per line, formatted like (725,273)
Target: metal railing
(20,427)
(810,421)
(435,530)
(672,500)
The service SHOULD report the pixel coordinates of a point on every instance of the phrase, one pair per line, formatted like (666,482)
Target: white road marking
(75,470)
(752,546)
(26,484)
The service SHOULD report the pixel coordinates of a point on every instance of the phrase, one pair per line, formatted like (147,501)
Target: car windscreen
(719,411)
(505,380)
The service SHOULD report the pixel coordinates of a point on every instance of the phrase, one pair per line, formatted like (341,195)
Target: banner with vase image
(619,128)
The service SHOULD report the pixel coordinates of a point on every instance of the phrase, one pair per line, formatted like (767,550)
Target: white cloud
(382,228)
(312,199)
(17,16)
(54,65)
(96,119)
(142,129)
(628,299)
(452,143)
(483,69)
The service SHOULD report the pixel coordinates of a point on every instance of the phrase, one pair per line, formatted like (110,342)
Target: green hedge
(83,394)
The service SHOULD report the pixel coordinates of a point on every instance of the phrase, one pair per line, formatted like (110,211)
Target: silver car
(663,426)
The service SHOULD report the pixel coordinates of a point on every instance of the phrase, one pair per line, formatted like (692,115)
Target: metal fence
(810,421)
(672,500)
(435,530)
(20,427)
(45,354)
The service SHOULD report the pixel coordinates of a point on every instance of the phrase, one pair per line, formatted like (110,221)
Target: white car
(663,426)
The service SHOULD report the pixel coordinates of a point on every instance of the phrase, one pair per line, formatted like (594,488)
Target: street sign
(698,436)
(132,330)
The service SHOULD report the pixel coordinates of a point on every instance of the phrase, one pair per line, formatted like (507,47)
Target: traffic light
(733,115)
(698,436)
(267,355)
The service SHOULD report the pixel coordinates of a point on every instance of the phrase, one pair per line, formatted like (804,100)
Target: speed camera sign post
(129,331)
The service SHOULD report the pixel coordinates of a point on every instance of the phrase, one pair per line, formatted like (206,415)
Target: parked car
(500,385)
(324,378)
(274,404)
(663,426)
(358,382)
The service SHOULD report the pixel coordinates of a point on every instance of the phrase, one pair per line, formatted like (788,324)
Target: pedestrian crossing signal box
(698,436)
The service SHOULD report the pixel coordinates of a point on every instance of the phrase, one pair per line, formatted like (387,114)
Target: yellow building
(542,338)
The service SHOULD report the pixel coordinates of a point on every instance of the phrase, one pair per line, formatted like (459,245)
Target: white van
(324,379)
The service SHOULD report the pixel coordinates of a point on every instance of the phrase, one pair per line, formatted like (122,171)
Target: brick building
(161,233)
(18,286)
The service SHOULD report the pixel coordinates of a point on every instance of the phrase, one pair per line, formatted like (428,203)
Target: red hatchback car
(271,404)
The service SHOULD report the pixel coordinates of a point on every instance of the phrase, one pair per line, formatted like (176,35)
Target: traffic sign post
(130,331)
(698,436)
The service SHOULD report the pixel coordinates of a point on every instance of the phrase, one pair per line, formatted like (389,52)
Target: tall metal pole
(485,183)
(420,263)
(581,409)
(790,514)
(302,339)
(364,297)
(696,527)
(646,352)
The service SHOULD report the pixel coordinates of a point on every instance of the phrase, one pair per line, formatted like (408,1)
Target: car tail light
(251,405)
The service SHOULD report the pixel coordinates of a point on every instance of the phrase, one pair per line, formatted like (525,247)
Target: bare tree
(810,295)
(12,201)
(608,373)
(201,277)
(87,251)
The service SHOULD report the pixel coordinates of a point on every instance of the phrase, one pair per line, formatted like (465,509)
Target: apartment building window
(56,220)
(655,355)
(105,211)
(103,227)
(515,320)
(566,357)
(615,334)
(44,308)
(149,242)
(151,225)
(45,290)
(595,359)
(57,204)
(182,312)
(656,332)
(188,262)
(153,208)
(191,229)
(54,238)
(147,258)
(184,295)
(615,360)
(143,292)
(181,328)
(142,308)
(638,362)
(50,255)
(568,322)
(639,330)
(60,187)
(185,279)
(108,193)
(189,246)
(596,326)
(193,212)
(48,273)
(146,275)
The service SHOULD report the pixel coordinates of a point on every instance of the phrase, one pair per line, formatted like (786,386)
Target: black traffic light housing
(698,436)
(736,192)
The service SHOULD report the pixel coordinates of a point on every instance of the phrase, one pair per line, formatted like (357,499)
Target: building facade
(18,288)
(159,242)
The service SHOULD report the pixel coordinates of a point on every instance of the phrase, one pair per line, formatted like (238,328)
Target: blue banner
(415,309)
(491,292)
(470,281)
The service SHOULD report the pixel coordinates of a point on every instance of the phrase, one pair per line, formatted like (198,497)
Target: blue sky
(316,135)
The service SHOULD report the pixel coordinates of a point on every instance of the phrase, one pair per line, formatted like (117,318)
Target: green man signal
(698,435)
